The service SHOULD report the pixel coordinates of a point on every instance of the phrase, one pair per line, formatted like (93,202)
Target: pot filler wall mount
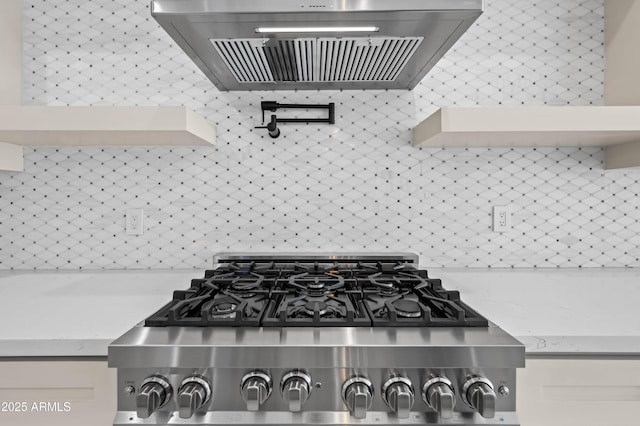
(315,44)
(316,339)
(272,127)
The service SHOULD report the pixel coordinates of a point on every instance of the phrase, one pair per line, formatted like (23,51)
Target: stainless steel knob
(256,388)
(397,393)
(153,394)
(194,393)
(439,396)
(478,394)
(357,394)
(295,387)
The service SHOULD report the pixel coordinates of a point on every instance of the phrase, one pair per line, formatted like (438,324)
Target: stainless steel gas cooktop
(328,339)
(317,292)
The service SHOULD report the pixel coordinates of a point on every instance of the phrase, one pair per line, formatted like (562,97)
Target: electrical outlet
(134,224)
(501,218)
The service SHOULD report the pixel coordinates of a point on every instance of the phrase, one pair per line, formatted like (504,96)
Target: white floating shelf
(612,126)
(104,126)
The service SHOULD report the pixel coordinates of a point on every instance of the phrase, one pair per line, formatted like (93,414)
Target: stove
(316,339)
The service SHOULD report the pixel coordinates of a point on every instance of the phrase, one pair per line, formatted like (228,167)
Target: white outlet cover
(501,218)
(134,222)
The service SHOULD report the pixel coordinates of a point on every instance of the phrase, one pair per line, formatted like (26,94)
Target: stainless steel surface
(478,393)
(357,394)
(256,388)
(438,393)
(278,418)
(326,375)
(280,6)
(193,395)
(155,392)
(296,388)
(329,356)
(225,383)
(398,394)
(301,257)
(129,390)
(221,37)
(329,347)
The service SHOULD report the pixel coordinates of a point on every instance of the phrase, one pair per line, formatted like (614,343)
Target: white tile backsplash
(357,185)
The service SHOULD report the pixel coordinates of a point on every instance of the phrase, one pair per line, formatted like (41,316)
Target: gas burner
(382,282)
(243,294)
(385,289)
(309,307)
(223,309)
(403,310)
(407,308)
(242,284)
(295,309)
(316,285)
(313,306)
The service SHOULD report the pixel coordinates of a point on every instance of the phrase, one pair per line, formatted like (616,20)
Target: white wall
(355,186)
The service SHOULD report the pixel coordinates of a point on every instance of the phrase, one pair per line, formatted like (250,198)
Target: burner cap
(310,308)
(388,291)
(223,308)
(316,284)
(244,286)
(246,283)
(383,284)
(407,308)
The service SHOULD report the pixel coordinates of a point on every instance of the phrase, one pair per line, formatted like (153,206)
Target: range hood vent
(317,59)
(315,44)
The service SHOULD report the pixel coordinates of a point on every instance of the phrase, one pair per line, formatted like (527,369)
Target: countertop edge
(54,348)
(578,346)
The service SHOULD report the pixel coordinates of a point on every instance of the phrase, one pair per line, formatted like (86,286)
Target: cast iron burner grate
(316,293)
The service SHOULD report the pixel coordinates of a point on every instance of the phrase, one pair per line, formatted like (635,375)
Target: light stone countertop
(559,311)
(552,311)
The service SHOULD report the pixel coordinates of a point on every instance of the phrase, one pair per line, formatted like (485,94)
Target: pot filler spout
(315,44)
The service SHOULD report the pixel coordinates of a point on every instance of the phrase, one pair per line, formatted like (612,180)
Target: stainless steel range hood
(315,44)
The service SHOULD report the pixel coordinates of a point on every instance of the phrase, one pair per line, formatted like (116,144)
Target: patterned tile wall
(354,186)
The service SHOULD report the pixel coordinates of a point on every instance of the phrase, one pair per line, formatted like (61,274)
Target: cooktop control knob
(256,388)
(397,393)
(296,388)
(153,394)
(194,393)
(478,393)
(437,393)
(357,394)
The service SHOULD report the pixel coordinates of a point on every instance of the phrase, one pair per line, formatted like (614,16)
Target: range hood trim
(180,7)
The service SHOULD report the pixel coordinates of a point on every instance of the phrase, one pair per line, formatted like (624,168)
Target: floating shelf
(104,126)
(616,127)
